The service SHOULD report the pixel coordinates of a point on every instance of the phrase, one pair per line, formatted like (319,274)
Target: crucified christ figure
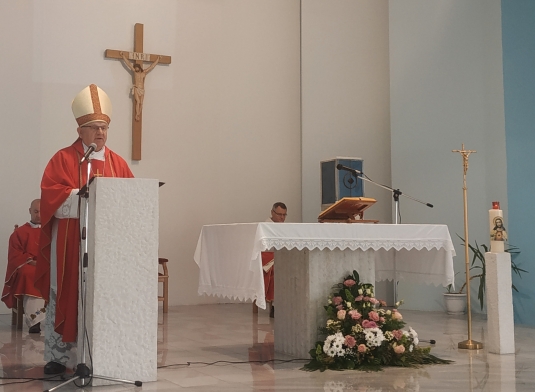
(138,89)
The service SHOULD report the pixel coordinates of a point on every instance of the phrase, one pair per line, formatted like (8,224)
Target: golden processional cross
(138,74)
(467,344)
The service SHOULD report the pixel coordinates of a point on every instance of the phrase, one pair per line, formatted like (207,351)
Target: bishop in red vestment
(62,179)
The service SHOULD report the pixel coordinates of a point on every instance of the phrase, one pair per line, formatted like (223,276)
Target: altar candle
(498,235)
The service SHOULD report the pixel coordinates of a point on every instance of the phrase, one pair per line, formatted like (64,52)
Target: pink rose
(374,316)
(366,299)
(369,324)
(382,303)
(359,298)
(339,307)
(374,301)
(349,283)
(350,341)
(397,333)
(355,315)
(362,348)
(399,349)
(337,300)
(381,320)
(341,314)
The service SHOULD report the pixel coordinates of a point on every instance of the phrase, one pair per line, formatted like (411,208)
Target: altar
(309,259)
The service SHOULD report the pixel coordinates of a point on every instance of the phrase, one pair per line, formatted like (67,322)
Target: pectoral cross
(138,74)
(97,174)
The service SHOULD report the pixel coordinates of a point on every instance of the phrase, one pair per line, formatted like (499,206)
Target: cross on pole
(467,344)
(138,57)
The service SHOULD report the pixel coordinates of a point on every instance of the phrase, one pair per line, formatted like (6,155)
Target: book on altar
(348,209)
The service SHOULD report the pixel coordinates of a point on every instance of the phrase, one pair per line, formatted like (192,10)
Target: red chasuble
(269,276)
(63,174)
(23,246)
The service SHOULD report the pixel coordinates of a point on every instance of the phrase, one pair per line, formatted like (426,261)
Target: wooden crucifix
(138,75)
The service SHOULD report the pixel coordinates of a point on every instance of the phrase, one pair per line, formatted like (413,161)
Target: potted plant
(455,301)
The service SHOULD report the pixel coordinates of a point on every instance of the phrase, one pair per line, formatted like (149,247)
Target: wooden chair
(163,277)
(16,314)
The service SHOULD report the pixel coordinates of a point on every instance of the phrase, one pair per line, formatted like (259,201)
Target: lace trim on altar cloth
(354,244)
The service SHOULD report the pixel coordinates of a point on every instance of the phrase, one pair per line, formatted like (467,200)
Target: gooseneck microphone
(92,147)
(349,169)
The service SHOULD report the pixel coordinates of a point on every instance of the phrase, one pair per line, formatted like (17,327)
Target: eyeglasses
(278,214)
(96,127)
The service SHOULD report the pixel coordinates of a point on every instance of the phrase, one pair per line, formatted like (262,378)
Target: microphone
(349,169)
(92,147)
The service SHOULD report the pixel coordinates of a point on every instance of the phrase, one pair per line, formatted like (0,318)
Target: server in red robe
(59,247)
(20,273)
(278,214)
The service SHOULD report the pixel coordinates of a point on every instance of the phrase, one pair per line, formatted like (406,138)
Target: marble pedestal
(122,285)
(500,320)
(303,282)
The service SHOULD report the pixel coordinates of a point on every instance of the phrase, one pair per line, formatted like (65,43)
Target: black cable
(27,379)
(233,362)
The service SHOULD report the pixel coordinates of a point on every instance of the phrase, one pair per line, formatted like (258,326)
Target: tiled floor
(209,348)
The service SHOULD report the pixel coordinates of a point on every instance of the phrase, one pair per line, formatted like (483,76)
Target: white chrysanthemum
(381,312)
(333,345)
(411,347)
(374,337)
(389,335)
(414,336)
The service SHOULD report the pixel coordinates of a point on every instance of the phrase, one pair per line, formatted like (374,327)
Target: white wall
(345,95)
(447,89)
(221,124)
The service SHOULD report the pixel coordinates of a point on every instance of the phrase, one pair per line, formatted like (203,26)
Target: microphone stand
(396,193)
(82,370)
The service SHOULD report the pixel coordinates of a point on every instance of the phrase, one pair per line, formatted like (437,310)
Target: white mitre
(90,105)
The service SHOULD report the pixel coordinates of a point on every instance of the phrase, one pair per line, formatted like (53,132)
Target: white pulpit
(122,286)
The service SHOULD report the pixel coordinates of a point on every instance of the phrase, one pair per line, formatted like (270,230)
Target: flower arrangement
(360,334)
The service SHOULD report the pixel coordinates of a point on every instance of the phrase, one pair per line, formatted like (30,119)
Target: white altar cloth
(229,255)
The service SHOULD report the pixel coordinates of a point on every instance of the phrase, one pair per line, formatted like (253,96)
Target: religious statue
(138,89)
